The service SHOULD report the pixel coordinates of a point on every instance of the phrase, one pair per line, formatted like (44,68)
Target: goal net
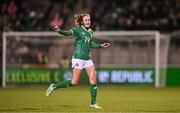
(24,52)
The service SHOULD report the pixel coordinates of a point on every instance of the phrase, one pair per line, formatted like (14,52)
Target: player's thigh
(76,76)
(91,73)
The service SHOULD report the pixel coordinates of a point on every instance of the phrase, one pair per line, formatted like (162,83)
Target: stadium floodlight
(155,52)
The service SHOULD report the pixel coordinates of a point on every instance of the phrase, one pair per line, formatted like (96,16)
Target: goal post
(158,81)
(4,47)
(4,60)
(120,37)
(157,59)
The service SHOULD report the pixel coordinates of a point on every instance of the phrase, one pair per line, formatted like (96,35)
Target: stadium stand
(106,15)
(33,15)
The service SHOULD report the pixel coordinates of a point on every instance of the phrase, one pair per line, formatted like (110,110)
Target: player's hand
(56,28)
(105,45)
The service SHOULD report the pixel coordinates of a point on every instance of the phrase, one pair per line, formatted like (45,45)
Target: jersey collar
(85,29)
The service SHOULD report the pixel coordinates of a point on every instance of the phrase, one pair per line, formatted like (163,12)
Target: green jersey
(83,42)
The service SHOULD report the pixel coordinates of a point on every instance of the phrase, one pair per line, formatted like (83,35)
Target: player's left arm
(95,45)
(103,45)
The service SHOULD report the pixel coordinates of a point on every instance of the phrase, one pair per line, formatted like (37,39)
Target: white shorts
(80,64)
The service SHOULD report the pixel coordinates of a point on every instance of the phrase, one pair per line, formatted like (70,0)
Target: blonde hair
(79,19)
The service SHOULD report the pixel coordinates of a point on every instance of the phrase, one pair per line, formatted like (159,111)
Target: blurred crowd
(26,51)
(162,15)
(35,15)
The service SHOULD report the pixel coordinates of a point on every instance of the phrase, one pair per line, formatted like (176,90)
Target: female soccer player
(81,56)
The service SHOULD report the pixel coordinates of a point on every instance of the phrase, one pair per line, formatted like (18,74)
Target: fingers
(105,45)
(56,28)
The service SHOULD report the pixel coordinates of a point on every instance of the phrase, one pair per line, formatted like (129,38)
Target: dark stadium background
(28,95)
(30,15)
(106,15)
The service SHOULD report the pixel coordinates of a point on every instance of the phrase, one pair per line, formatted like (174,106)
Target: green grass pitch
(113,98)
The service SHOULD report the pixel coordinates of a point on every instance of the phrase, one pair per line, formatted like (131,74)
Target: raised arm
(63,32)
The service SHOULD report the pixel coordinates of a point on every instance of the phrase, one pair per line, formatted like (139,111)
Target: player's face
(86,21)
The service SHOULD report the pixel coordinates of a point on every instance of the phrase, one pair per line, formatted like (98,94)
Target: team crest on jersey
(83,33)
(77,64)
